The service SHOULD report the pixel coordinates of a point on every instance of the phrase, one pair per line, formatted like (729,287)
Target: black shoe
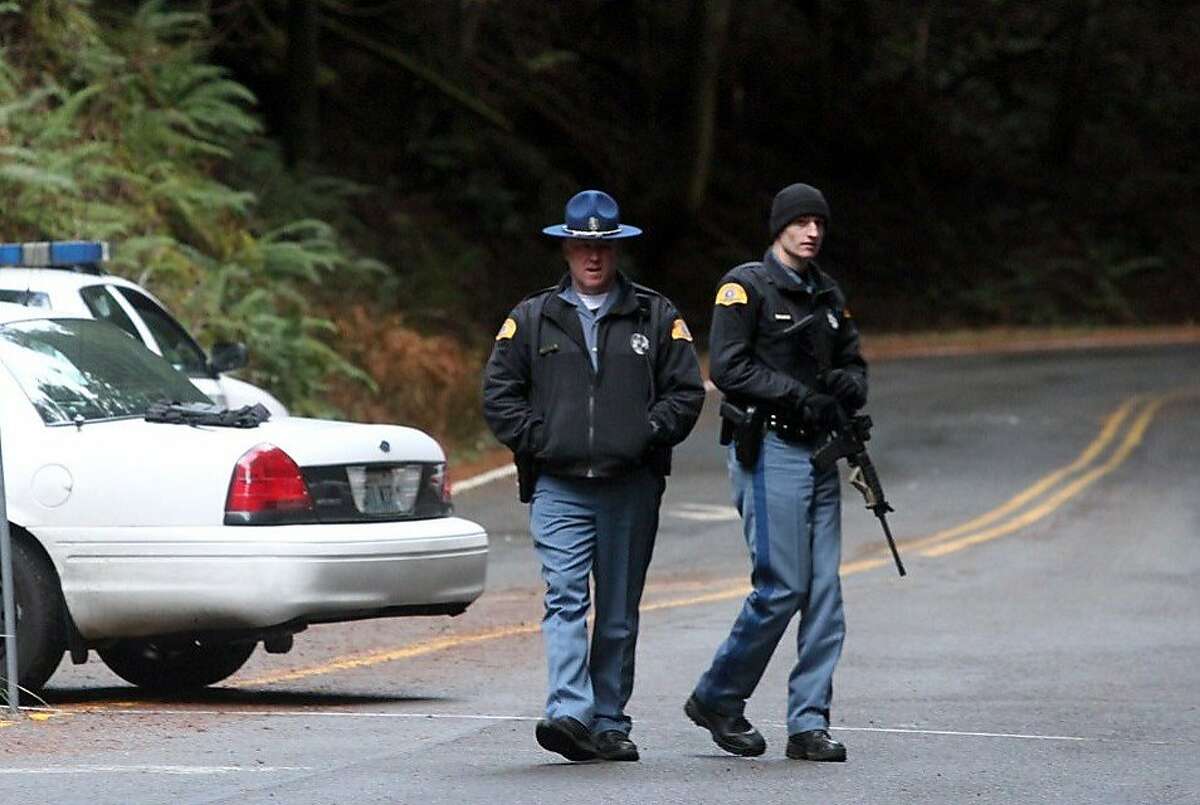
(815,745)
(734,734)
(615,745)
(567,737)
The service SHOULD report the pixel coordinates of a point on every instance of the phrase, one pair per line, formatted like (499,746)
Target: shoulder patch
(507,330)
(680,331)
(846,313)
(731,293)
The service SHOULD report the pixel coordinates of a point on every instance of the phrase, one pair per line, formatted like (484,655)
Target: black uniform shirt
(773,337)
(543,397)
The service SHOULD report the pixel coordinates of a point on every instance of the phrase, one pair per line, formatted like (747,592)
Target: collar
(623,298)
(789,279)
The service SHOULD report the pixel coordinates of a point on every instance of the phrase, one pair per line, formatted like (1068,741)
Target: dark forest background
(987,161)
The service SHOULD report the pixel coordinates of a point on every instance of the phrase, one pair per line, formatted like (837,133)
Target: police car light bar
(54,253)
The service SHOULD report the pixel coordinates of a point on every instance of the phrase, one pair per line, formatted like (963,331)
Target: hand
(849,389)
(536,439)
(821,411)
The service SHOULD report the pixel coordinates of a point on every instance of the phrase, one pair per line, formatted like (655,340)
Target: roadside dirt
(1008,340)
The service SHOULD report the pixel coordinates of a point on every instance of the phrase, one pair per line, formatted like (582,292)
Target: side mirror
(228,357)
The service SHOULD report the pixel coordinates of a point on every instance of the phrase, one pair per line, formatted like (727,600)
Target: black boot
(615,745)
(815,745)
(734,734)
(567,737)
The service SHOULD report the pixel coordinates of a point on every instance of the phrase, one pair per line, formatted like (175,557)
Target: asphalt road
(1045,646)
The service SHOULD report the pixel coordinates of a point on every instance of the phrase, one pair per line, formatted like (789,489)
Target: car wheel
(41,638)
(175,665)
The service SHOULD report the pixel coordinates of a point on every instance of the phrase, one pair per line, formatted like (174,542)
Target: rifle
(849,441)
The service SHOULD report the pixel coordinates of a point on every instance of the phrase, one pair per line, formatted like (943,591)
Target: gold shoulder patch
(732,294)
(680,332)
(507,330)
(846,313)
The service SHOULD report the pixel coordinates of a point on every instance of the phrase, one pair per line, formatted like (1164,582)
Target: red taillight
(266,482)
(439,482)
(446,484)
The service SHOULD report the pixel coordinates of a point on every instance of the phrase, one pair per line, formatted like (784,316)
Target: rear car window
(79,367)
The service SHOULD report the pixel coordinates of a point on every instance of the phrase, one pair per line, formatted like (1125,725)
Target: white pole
(10,609)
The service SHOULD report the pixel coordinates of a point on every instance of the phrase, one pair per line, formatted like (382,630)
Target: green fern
(119,129)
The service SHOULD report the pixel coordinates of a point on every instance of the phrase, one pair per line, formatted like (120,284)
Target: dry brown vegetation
(430,382)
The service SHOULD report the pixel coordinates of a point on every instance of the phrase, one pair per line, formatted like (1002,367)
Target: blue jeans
(791,517)
(603,528)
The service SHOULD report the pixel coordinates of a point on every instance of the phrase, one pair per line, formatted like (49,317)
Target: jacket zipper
(591,473)
(601,337)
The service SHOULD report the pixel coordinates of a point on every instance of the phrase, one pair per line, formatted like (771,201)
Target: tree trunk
(302,138)
(711,28)
(1073,88)
(920,56)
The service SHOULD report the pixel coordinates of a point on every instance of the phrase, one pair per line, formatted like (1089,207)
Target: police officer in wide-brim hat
(590,383)
(592,215)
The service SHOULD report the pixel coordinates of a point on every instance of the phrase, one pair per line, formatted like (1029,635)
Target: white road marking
(957,734)
(1021,736)
(301,714)
(703,512)
(143,769)
(506,471)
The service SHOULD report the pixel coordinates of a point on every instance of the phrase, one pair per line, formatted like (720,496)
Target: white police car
(67,277)
(174,549)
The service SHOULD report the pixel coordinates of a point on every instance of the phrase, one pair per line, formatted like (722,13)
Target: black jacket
(772,340)
(543,399)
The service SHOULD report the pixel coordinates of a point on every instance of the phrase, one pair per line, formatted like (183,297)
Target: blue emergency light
(55,253)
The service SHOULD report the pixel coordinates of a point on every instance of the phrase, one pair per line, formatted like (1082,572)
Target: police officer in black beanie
(784,352)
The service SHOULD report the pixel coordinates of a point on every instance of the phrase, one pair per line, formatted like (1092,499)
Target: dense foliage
(119,129)
(988,161)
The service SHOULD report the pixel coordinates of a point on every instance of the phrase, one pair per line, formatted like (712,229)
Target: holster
(658,459)
(527,475)
(744,427)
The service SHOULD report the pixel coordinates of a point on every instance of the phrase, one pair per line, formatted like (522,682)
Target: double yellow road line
(1125,427)
(1121,433)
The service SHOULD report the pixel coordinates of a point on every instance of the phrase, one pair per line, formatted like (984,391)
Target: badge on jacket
(639,343)
(680,332)
(507,330)
(833,322)
(732,294)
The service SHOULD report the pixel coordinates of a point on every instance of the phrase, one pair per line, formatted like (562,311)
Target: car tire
(41,635)
(175,665)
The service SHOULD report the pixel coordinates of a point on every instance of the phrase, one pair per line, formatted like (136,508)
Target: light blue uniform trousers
(791,516)
(603,528)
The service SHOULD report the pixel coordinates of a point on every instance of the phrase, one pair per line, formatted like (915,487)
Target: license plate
(384,490)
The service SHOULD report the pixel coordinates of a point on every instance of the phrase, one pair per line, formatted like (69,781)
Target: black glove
(849,388)
(821,411)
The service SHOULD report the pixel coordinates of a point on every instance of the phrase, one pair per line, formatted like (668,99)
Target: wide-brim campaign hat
(592,215)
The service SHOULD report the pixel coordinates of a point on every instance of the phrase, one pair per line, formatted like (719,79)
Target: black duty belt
(791,429)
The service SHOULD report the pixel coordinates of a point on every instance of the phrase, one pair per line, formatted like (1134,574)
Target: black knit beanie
(794,201)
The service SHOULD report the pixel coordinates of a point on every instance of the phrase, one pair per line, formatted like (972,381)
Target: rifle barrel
(887,532)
